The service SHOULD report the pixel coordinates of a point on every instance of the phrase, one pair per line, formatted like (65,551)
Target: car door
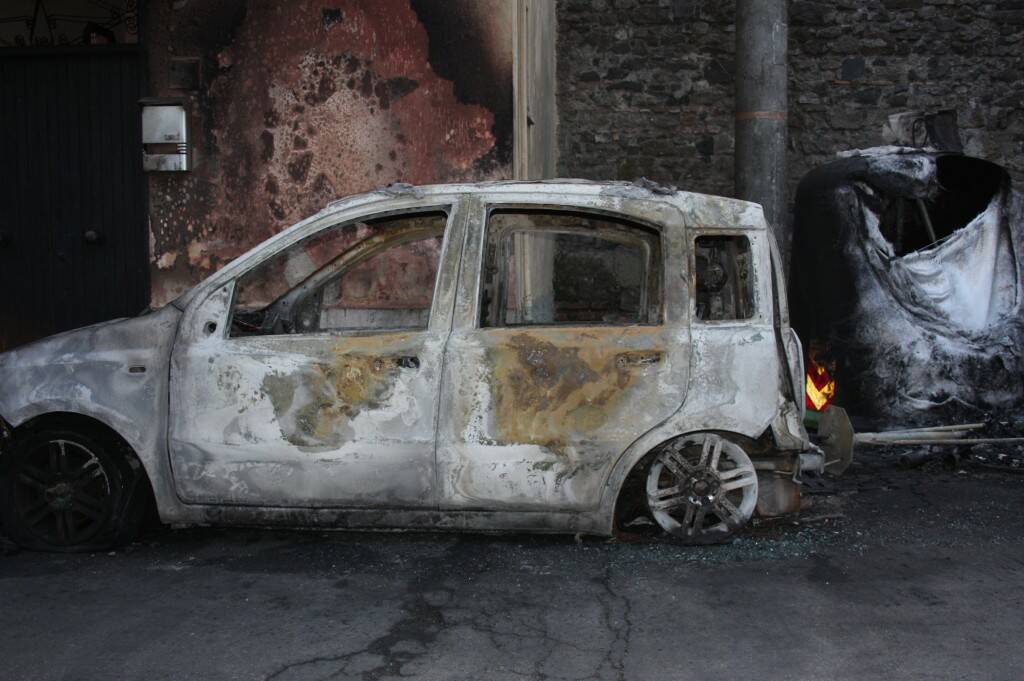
(570,341)
(312,379)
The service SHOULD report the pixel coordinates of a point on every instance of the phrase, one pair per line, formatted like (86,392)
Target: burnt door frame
(232,438)
(628,377)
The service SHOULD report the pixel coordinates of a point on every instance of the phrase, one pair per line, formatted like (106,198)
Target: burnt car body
(906,284)
(546,356)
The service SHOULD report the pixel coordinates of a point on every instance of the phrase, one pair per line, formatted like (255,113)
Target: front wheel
(701,488)
(68,491)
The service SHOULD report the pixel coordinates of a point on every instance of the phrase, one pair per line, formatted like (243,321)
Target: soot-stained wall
(645,87)
(296,104)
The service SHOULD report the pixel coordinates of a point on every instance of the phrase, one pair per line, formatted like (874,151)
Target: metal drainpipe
(761,91)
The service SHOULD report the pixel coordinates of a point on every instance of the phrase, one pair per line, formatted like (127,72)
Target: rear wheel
(701,488)
(62,490)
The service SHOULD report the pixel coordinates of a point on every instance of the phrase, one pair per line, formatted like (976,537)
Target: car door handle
(408,362)
(399,362)
(643,358)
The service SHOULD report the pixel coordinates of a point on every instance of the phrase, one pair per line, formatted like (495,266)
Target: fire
(821,388)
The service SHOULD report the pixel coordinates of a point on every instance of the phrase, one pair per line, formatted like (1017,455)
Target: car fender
(115,373)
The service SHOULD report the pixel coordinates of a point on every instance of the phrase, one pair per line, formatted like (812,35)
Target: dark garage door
(73,241)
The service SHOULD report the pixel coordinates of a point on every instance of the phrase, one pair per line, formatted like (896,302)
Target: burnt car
(907,287)
(558,356)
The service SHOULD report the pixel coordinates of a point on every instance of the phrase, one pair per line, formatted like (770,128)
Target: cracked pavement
(891,574)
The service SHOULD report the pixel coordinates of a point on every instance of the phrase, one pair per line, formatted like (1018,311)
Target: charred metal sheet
(295,420)
(536,416)
(907,279)
(94,372)
(555,390)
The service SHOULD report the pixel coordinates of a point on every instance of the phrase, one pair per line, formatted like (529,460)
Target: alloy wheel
(62,493)
(701,488)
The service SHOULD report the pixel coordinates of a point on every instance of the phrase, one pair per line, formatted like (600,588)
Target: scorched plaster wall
(295,104)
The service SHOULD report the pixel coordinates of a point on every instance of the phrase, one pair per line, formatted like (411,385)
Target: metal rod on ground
(838,440)
(966,442)
(930,429)
(889,438)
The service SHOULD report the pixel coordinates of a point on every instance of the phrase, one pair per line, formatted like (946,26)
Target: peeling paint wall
(295,104)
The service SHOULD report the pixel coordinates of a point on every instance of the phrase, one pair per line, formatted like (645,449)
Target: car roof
(700,209)
(638,189)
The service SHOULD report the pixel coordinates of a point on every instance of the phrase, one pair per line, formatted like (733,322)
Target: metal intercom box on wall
(165,136)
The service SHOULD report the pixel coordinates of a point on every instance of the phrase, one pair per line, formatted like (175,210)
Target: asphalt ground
(886,574)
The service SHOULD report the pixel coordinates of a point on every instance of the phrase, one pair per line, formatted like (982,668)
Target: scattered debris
(838,441)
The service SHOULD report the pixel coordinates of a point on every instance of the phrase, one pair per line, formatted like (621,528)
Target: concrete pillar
(535,277)
(533,88)
(761,90)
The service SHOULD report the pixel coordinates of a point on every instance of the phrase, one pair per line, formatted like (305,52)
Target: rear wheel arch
(626,485)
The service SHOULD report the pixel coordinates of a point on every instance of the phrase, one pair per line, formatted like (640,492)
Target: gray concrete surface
(896,575)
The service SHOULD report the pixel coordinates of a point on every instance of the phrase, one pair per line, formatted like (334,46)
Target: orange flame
(821,388)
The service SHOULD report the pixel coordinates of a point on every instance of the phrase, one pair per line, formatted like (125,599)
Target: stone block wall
(645,87)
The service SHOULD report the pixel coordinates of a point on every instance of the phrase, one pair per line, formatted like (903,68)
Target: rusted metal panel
(299,421)
(534,418)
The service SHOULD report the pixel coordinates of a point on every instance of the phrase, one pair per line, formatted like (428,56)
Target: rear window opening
(725,280)
(551,267)
(966,187)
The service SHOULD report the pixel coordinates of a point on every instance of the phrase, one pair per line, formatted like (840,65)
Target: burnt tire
(69,490)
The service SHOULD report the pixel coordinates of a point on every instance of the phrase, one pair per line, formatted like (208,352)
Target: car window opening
(547,268)
(725,281)
(364,276)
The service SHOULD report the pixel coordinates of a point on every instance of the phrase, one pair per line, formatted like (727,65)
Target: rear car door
(570,341)
(313,378)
